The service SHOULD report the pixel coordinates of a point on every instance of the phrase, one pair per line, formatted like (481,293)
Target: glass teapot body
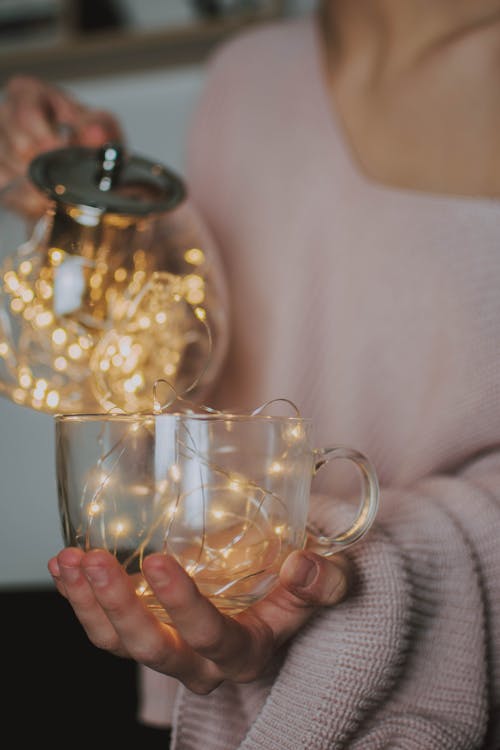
(103,297)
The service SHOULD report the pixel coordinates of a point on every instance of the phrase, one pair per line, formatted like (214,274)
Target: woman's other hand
(204,647)
(36,116)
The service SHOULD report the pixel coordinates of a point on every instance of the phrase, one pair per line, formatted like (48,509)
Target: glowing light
(44,319)
(195,256)
(195,296)
(53,399)
(112,338)
(60,364)
(132,384)
(11,281)
(29,313)
(25,267)
(75,351)
(95,280)
(140,490)
(294,433)
(120,274)
(175,472)
(45,289)
(25,378)
(59,336)
(275,468)
(200,313)
(56,256)
(119,527)
(19,395)
(94,508)
(125,345)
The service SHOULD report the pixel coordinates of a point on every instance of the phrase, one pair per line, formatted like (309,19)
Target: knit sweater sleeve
(411,659)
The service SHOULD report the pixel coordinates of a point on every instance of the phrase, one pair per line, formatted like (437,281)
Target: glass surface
(226,495)
(96,306)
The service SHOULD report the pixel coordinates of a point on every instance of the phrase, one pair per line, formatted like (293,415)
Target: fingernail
(305,572)
(158,576)
(53,567)
(96,575)
(69,574)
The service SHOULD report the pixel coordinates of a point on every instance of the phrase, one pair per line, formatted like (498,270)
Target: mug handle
(368,506)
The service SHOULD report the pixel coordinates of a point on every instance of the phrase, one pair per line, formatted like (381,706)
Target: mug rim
(196,416)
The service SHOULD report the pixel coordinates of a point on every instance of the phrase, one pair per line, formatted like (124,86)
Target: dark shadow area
(58,687)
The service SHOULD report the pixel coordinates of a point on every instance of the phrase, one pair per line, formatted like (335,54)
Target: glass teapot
(109,282)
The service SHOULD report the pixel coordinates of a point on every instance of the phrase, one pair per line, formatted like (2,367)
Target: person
(347,164)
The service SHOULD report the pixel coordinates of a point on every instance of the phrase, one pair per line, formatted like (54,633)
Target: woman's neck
(416,85)
(394,33)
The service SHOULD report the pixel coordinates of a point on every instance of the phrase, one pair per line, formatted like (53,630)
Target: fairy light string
(220,525)
(80,334)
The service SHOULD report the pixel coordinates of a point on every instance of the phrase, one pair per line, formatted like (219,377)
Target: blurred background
(145,62)
(153,99)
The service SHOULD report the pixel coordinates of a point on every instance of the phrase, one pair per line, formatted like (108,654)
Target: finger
(146,640)
(44,116)
(316,580)
(234,651)
(15,145)
(307,583)
(22,197)
(83,601)
(142,635)
(54,571)
(97,127)
(29,120)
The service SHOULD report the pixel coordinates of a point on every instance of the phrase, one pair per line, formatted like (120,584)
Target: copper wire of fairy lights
(130,325)
(230,531)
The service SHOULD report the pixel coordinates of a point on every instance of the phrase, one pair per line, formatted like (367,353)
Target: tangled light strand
(82,333)
(229,530)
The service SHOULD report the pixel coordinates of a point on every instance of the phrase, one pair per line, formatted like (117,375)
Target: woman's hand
(204,647)
(36,116)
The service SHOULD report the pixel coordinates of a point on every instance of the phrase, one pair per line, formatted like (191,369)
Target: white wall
(154,109)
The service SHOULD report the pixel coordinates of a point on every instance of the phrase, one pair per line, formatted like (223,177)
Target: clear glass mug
(226,495)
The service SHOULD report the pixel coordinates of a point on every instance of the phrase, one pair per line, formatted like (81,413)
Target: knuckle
(202,684)
(24,116)
(116,610)
(207,644)
(19,82)
(106,642)
(150,653)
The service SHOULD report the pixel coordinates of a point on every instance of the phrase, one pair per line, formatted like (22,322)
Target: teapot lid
(107,179)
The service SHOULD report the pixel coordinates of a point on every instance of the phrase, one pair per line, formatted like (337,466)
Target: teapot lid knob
(110,157)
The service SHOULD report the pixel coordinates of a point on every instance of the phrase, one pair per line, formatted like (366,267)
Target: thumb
(317,580)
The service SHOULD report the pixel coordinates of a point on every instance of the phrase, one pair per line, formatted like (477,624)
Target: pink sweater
(377,311)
